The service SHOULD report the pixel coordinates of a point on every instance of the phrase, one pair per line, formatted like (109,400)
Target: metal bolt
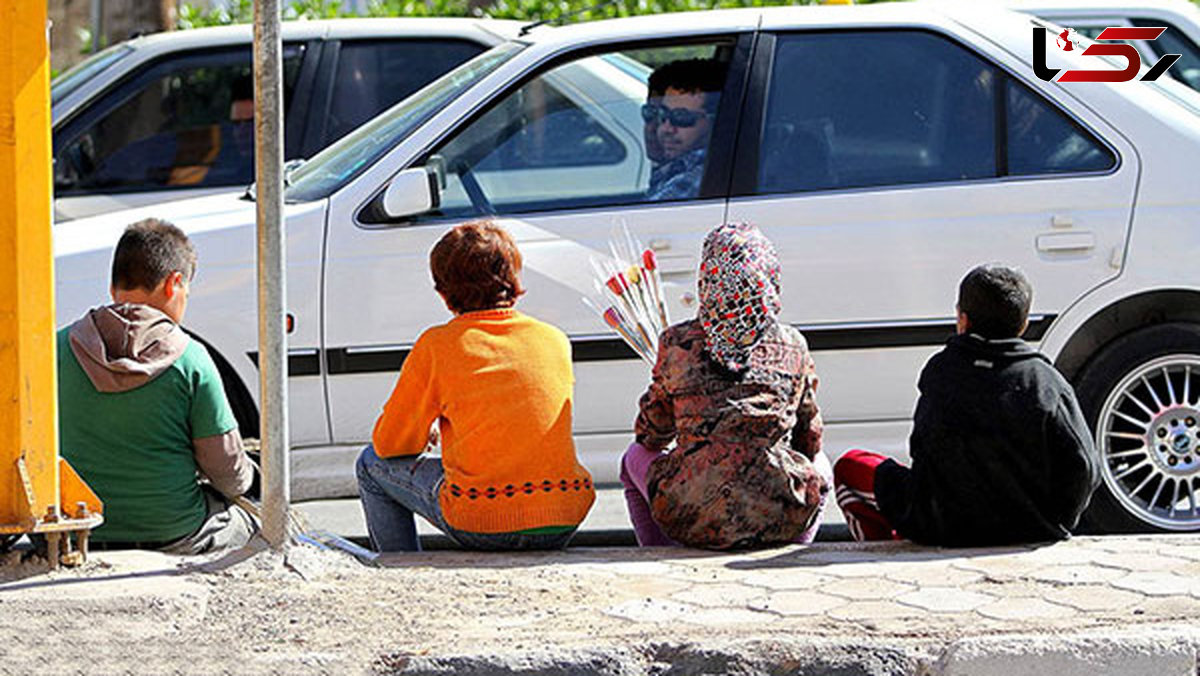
(1190,422)
(53,548)
(1162,432)
(52,514)
(1172,461)
(81,510)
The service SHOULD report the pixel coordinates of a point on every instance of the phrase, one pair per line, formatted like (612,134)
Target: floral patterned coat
(740,474)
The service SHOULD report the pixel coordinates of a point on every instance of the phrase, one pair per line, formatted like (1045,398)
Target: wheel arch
(1123,317)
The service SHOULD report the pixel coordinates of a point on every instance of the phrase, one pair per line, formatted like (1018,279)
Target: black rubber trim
(723,142)
(343,361)
(611,349)
(296,115)
(298,364)
(746,154)
(321,99)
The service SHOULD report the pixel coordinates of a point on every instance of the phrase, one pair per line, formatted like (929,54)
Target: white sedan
(885,149)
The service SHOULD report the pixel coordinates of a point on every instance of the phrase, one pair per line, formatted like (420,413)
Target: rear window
(909,107)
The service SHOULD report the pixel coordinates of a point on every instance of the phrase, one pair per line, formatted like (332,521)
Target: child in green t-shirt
(142,410)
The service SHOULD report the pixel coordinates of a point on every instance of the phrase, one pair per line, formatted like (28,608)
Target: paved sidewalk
(1090,606)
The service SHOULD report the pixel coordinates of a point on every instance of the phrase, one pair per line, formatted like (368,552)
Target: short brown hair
(476,266)
(996,300)
(148,251)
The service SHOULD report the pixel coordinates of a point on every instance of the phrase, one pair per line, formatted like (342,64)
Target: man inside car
(691,90)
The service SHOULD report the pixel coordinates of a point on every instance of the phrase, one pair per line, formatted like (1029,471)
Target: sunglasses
(678,117)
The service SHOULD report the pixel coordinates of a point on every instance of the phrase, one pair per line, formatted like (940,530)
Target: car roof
(1098,6)
(724,20)
(495,29)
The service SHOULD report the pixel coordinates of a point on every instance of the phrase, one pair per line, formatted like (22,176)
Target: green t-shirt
(134,448)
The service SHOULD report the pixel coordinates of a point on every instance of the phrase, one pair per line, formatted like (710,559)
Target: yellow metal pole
(28,405)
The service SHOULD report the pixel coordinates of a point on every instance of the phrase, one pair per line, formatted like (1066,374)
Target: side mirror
(411,192)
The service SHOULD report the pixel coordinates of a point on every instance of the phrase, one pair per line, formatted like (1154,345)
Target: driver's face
(675,140)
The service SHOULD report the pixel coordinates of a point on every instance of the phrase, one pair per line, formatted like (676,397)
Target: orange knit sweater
(500,384)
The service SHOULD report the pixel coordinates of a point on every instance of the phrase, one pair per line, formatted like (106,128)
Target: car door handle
(659,244)
(1066,241)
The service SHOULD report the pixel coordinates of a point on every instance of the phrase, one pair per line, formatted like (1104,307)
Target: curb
(1164,651)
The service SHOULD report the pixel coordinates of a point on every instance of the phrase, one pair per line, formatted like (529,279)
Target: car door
(884,164)
(181,126)
(559,157)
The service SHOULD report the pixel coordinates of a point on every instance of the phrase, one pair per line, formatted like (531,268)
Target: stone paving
(1081,583)
(1092,606)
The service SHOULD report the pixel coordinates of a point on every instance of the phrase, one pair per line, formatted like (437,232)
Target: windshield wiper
(288,168)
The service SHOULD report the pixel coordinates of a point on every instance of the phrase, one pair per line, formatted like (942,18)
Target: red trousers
(854,481)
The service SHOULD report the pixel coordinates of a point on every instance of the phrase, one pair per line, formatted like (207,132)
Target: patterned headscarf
(739,292)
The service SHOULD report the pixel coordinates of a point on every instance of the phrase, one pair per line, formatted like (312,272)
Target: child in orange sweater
(499,384)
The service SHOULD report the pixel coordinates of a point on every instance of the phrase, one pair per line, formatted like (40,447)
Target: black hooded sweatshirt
(1000,451)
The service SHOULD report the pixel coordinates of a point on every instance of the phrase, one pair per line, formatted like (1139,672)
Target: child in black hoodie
(1000,450)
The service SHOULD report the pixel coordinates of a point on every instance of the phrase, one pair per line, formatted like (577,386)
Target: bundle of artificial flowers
(629,293)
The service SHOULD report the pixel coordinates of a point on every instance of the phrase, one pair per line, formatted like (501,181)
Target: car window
(374,75)
(587,133)
(1042,140)
(1175,41)
(824,127)
(827,126)
(186,122)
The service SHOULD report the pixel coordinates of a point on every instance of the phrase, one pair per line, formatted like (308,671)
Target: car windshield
(89,68)
(338,164)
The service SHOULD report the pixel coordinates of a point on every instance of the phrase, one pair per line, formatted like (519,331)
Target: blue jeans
(392,490)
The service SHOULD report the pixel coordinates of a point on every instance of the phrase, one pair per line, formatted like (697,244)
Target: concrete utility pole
(272,287)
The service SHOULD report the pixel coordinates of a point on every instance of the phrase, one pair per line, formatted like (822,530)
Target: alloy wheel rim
(1148,435)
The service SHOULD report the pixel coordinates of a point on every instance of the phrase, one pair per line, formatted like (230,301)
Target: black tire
(1096,382)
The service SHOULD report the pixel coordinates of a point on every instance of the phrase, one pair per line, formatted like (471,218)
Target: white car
(885,149)
(170,115)
(1181,18)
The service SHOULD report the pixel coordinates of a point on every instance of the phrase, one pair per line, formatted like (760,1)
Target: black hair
(689,75)
(996,300)
(148,251)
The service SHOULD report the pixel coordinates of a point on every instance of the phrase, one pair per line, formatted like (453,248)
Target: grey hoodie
(122,347)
